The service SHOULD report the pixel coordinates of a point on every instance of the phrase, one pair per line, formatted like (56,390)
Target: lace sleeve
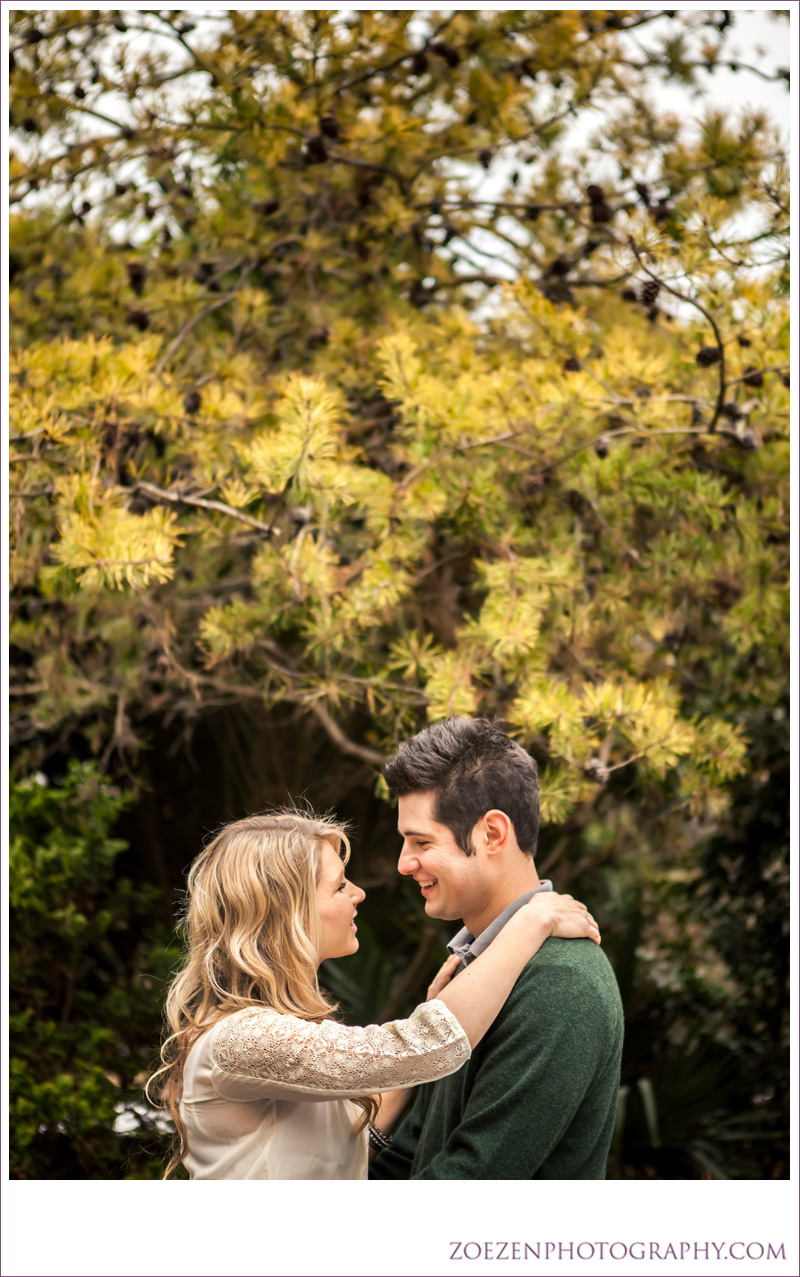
(260,1053)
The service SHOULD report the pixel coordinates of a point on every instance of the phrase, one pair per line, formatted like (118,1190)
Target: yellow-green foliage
(575,568)
(319,475)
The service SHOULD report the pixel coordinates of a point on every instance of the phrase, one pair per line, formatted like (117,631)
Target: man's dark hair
(471,767)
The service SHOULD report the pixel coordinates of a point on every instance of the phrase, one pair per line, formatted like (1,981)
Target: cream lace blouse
(266,1095)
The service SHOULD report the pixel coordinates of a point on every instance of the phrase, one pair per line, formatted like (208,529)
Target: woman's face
(337,900)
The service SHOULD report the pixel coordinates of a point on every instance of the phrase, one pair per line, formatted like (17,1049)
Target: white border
(300,1229)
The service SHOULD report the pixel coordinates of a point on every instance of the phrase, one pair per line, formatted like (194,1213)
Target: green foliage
(86,967)
(319,434)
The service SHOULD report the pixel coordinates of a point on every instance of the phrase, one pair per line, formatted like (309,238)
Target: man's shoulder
(568,987)
(575,969)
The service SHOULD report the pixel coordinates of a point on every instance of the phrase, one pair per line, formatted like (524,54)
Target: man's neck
(507,892)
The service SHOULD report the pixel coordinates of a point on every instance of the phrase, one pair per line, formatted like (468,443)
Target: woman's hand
(566,917)
(444,975)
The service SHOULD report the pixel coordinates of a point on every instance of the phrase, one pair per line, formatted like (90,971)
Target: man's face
(453,884)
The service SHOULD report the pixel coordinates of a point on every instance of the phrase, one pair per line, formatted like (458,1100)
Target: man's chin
(436,909)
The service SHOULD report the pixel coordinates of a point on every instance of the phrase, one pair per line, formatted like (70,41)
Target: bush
(87,967)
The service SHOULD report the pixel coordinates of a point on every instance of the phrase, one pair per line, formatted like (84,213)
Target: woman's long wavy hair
(253,934)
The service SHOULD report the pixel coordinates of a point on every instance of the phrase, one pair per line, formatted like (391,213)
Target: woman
(261,1082)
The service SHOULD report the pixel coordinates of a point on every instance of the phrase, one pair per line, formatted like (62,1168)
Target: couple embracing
(508,1070)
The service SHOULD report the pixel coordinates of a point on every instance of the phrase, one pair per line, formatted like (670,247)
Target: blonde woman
(261,1081)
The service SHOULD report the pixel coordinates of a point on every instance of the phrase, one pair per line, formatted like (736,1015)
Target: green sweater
(538,1097)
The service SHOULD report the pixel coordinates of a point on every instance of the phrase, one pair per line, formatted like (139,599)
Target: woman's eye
(342,886)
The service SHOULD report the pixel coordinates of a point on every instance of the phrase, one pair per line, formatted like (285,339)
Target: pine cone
(649,292)
(708,355)
(419,63)
(575,500)
(601,210)
(572,364)
(315,150)
(451,56)
(753,377)
(139,319)
(732,411)
(596,770)
(328,126)
(137,274)
(485,158)
(744,340)
(601,214)
(561,266)
(747,440)
(601,446)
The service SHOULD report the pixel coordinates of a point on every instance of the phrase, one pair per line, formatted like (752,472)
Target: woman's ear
(496,830)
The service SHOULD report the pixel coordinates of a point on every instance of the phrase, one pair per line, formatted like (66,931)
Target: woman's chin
(351,947)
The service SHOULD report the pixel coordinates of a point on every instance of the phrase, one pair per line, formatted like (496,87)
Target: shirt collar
(465,944)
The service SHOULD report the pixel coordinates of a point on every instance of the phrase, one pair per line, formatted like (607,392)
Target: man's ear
(495,828)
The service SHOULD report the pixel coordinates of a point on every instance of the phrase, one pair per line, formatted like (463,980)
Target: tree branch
(177,342)
(691,301)
(176,498)
(346,745)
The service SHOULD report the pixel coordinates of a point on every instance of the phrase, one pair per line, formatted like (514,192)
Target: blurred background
(368,366)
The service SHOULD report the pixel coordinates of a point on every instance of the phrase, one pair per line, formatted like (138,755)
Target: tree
(329,479)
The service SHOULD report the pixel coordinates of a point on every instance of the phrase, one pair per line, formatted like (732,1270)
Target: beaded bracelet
(377,1139)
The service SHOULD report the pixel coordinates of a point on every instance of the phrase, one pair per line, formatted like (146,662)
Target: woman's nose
(359,894)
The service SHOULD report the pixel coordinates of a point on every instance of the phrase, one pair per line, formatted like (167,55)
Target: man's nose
(408,862)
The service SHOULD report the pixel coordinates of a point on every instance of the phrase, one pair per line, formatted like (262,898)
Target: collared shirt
(468,947)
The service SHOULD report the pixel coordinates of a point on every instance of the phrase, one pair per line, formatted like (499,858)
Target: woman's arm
(479,991)
(259,1053)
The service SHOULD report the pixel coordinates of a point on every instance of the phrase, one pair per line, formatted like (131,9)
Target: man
(538,1097)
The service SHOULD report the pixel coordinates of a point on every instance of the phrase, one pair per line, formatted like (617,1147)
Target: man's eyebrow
(412,833)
